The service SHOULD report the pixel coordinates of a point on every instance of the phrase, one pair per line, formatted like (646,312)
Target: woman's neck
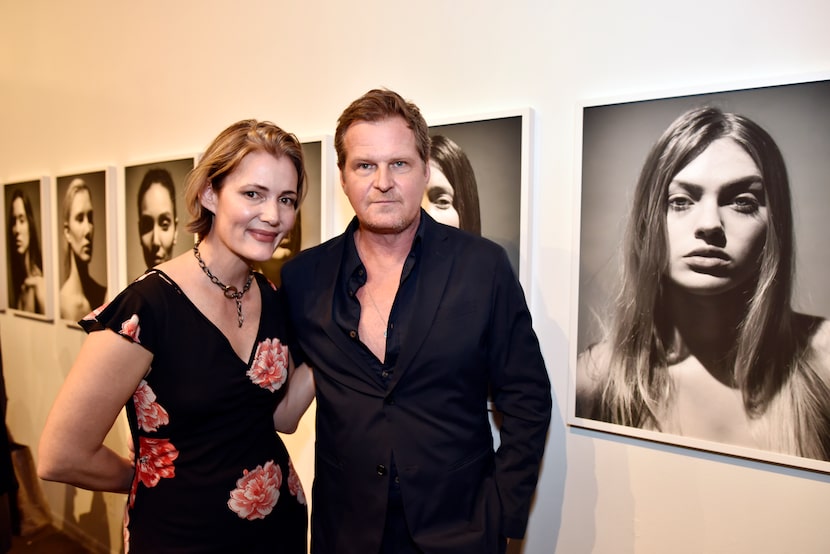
(222,263)
(707,328)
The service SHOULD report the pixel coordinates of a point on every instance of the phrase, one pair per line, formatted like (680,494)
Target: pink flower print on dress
(131,328)
(125,530)
(256,492)
(155,462)
(148,412)
(95,313)
(295,487)
(270,367)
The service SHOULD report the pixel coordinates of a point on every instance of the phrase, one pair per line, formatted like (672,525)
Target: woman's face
(716,220)
(20,226)
(254,209)
(438,198)
(157,225)
(79,228)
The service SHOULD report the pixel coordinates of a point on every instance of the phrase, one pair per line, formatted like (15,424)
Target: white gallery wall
(96,83)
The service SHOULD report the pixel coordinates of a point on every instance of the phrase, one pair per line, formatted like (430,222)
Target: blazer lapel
(436,263)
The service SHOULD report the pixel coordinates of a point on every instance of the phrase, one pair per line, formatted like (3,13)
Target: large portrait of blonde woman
(703,263)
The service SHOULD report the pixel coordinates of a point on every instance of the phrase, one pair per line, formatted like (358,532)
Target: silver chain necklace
(230,291)
(380,315)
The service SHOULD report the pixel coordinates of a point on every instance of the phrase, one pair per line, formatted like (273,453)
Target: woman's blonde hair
(224,155)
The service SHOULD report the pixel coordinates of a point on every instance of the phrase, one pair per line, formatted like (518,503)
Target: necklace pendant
(384,334)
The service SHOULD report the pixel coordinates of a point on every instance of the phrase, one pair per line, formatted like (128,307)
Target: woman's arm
(298,396)
(103,378)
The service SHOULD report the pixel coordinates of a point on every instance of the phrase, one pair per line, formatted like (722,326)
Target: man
(409,325)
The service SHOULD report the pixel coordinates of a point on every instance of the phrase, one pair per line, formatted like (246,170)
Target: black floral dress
(211,475)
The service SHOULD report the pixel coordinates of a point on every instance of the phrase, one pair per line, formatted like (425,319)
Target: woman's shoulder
(820,339)
(595,360)
(593,367)
(816,331)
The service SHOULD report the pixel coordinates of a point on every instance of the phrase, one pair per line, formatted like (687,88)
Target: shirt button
(384,374)
(390,400)
(353,334)
(381,469)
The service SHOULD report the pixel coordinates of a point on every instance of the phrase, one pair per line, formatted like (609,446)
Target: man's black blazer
(470,336)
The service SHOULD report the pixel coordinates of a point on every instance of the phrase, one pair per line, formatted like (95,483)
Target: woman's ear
(208,198)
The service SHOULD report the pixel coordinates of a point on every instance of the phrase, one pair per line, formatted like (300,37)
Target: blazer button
(381,469)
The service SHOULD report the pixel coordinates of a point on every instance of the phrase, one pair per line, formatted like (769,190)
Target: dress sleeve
(133,314)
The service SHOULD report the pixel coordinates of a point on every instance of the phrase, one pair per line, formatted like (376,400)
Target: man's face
(383,176)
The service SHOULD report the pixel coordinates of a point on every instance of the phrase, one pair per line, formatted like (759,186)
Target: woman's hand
(298,396)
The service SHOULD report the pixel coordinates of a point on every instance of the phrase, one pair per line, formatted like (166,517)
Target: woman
(195,351)
(451,196)
(26,261)
(704,341)
(157,219)
(80,293)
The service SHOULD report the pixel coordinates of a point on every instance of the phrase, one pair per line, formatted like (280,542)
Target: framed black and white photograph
(155,214)
(703,262)
(480,177)
(86,244)
(28,249)
(309,226)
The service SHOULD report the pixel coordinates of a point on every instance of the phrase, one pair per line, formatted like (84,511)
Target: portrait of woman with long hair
(25,257)
(703,341)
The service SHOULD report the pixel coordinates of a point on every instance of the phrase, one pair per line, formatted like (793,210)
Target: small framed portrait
(28,249)
(703,260)
(480,179)
(155,214)
(86,244)
(309,226)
